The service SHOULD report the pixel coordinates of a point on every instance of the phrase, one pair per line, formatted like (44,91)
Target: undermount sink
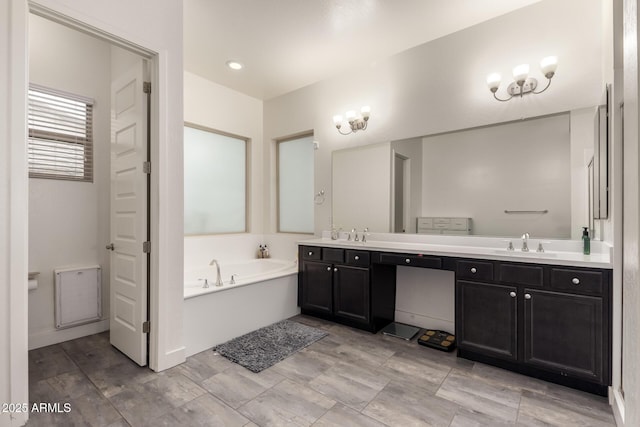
(530,254)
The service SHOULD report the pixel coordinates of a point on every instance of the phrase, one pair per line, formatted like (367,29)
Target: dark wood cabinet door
(564,333)
(317,292)
(351,293)
(486,319)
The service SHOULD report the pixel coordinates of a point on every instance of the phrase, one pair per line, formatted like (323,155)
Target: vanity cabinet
(550,322)
(335,284)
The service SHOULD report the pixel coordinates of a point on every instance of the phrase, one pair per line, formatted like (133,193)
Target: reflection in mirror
(500,180)
(295,185)
(209,159)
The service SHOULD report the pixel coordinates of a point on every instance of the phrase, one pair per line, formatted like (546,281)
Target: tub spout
(218,278)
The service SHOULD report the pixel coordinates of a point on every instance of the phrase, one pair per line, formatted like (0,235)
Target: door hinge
(146,167)
(146,87)
(146,327)
(146,247)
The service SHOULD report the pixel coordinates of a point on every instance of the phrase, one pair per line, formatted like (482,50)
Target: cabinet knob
(335,269)
(575,281)
(356,257)
(407,260)
(512,294)
(527,296)
(328,268)
(310,253)
(473,270)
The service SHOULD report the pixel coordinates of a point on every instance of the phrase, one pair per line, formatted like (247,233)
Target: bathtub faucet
(219,278)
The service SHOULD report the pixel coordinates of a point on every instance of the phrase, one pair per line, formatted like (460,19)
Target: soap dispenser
(586,241)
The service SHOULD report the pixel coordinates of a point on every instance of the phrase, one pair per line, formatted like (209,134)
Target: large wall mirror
(501,180)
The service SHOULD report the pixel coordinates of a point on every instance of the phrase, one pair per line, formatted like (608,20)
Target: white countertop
(481,248)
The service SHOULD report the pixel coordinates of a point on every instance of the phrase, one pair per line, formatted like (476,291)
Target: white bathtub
(265,292)
(245,272)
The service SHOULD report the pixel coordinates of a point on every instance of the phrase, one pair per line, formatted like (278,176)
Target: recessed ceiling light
(235,65)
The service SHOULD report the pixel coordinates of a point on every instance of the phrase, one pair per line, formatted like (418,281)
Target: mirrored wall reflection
(501,180)
(295,185)
(215,182)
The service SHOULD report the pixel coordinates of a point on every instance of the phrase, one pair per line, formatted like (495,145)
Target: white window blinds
(60,135)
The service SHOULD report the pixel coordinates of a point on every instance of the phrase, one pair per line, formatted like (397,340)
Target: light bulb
(548,66)
(365,111)
(493,81)
(351,115)
(520,73)
(337,120)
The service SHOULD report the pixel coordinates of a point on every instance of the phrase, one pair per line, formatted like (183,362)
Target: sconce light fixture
(356,122)
(523,84)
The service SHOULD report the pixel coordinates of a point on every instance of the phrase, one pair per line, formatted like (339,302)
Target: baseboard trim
(55,336)
(617,405)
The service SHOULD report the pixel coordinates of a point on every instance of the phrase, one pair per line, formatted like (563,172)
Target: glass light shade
(351,115)
(365,111)
(521,72)
(549,64)
(337,119)
(493,80)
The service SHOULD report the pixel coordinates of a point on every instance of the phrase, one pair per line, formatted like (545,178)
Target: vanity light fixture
(523,84)
(356,121)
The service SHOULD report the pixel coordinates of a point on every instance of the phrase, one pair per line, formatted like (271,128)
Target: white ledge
(557,252)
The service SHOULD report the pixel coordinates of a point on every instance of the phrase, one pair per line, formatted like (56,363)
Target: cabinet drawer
(425,223)
(474,270)
(412,260)
(359,258)
(459,224)
(333,254)
(311,252)
(441,221)
(568,279)
(520,274)
(441,225)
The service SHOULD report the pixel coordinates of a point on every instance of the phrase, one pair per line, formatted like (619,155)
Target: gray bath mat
(260,349)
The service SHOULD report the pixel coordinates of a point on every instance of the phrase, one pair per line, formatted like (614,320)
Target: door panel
(563,332)
(351,298)
(486,319)
(316,287)
(129,214)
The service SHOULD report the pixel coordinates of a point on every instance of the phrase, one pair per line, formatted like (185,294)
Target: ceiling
(289,44)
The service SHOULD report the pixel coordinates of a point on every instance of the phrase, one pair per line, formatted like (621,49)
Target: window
(215,182)
(295,185)
(60,135)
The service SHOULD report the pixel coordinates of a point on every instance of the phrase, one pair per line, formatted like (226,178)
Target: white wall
(582,142)
(69,221)
(482,172)
(362,188)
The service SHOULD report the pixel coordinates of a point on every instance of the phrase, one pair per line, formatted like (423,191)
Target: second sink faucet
(219,278)
(525,246)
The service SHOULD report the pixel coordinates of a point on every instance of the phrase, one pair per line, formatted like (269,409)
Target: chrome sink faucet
(219,278)
(525,246)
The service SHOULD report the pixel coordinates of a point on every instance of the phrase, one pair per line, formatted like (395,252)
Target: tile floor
(349,378)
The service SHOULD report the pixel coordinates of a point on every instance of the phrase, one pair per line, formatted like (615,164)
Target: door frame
(154,61)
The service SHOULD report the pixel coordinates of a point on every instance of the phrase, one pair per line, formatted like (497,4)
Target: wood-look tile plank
(351,384)
(205,410)
(287,403)
(541,409)
(481,396)
(406,404)
(340,415)
(237,386)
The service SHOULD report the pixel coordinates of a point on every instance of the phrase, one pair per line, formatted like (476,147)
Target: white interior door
(128,214)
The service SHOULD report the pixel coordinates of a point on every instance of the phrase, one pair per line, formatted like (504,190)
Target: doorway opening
(102,221)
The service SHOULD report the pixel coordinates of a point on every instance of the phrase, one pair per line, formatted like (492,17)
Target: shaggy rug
(260,349)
